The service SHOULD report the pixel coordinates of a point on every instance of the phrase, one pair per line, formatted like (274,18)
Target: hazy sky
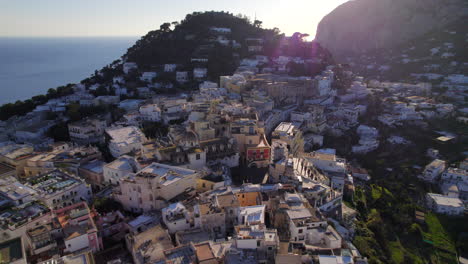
(137,17)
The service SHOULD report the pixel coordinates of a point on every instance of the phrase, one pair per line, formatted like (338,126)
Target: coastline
(32,65)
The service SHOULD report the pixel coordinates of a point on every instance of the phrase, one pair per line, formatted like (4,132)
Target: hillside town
(248,168)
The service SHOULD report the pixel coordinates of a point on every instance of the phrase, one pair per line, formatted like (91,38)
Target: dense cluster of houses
(453,183)
(179,201)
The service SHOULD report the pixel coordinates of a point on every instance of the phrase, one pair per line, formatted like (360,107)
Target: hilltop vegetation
(179,42)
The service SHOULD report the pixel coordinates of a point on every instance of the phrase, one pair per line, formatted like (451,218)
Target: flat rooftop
(285,127)
(194,236)
(122,163)
(152,243)
(16,151)
(11,250)
(54,181)
(126,135)
(94,166)
(158,169)
(445,200)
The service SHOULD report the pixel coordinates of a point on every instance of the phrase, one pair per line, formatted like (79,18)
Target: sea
(30,66)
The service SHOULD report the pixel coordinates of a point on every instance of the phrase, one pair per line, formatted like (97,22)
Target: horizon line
(72,36)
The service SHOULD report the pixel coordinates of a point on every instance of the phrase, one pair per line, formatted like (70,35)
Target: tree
(154,129)
(220,62)
(258,24)
(51,93)
(39,99)
(73,111)
(165,27)
(105,205)
(462,242)
(296,69)
(59,132)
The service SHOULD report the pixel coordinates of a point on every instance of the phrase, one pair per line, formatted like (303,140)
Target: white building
(257,238)
(220,30)
(87,131)
(116,170)
(129,66)
(302,223)
(433,170)
(200,73)
(148,76)
(78,228)
(150,112)
(170,67)
(207,85)
(182,76)
(323,85)
(130,104)
(444,204)
(455,175)
(251,215)
(327,162)
(58,189)
(177,218)
(153,186)
(34,134)
(125,140)
(368,139)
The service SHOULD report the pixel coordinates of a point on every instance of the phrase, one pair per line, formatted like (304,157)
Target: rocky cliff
(363,25)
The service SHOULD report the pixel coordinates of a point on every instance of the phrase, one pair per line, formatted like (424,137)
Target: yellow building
(204,185)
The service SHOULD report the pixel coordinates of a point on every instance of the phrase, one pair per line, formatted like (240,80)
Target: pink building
(78,227)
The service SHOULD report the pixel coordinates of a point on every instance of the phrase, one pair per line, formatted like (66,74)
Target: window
(300,231)
(197,156)
(258,243)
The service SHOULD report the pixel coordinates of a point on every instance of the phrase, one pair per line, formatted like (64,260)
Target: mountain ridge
(358,26)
